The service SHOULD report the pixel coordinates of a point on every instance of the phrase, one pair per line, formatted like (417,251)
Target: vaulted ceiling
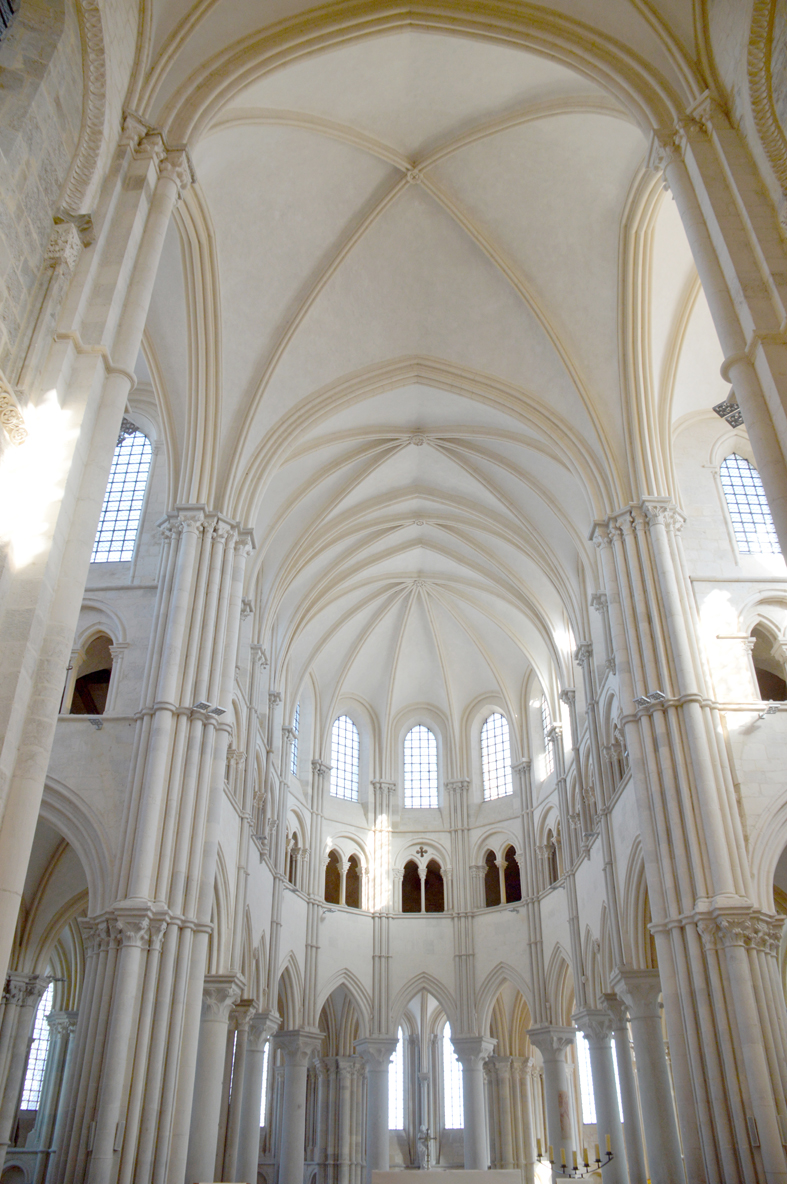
(390,333)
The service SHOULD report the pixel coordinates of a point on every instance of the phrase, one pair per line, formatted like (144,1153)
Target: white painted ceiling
(413,355)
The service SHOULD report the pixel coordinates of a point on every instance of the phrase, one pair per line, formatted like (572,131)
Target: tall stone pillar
(242,1016)
(472,1052)
(22,995)
(500,1071)
(552,1042)
(260,1029)
(597,1028)
(221,993)
(640,990)
(376,1052)
(62,1025)
(632,1128)
(297,1045)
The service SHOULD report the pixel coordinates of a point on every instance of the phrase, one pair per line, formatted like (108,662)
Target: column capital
(568,696)
(320,769)
(298,1044)
(472,1051)
(25,989)
(617,1010)
(376,1051)
(599,601)
(243,1013)
(220,993)
(583,653)
(460,786)
(62,1023)
(552,1040)
(595,1024)
(262,1025)
(522,766)
(640,990)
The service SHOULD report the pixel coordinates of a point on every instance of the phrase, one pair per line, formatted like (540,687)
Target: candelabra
(578,1171)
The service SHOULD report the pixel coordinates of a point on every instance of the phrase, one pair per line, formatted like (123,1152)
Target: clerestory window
(750,513)
(345,748)
(546,724)
(123,500)
(496,757)
(294,750)
(39,1047)
(453,1092)
(420,769)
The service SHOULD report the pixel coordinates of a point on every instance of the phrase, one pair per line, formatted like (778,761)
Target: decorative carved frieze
(11,418)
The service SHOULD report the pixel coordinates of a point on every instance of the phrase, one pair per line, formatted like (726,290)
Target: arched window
(585,1081)
(36,1061)
(411,888)
(396,1086)
(420,769)
(748,506)
(546,724)
(511,877)
(553,872)
(345,747)
(292,861)
(496,757)
(453,1093)
(491,881)
(434,889)
(92,684)
(333,878)
(768,669)
(352,883)
(294,749)
(122,508)
(264,1094)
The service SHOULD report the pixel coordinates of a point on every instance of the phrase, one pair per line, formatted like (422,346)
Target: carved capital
(617,1011)
(320,769)
(472,1051)
(176,166)
(568,696)
(596,1026)
(599,602)
(748,928)
(11,418)
(262,1025)
(458,786)
(62,1023)
(220,993)
(662,512)
(376,1051)
(552,1040)
(583,653)
(664,149)
(64,248)
(298,1045)
(640,990)
(24,990)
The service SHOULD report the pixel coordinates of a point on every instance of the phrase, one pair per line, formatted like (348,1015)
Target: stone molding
(91,134)
(64,248)
(758,67)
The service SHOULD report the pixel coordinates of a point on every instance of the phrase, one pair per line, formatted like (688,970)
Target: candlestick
(551,1156)
(575,1158)
(563,1156)
(585,1156)
(609,1142)
(538,1144)
(598,1157)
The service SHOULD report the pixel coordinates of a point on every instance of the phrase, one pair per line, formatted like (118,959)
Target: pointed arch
(423,982)
(351,983)
(491,987)
(560,986)
(290,993)
(65,810)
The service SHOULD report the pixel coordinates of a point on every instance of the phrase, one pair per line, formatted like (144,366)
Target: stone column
(471,1052)
(632,1129)
(640,990)
(376,1052)
(22,994)
(499,1070)
(242,1017)
(220,995)
(260,1029)
(61,1026)
(552,1042)
(297,1046)
(597,1027)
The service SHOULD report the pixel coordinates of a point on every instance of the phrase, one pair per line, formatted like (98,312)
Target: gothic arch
(291,992)
(423,982)
(491,987)
(635,892)
(560,986)
(63,809)
(356,991)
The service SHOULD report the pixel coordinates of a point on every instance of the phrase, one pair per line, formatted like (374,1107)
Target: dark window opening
(92,684)
(411,888)
(434,891)
(511,876)
(768,669)
(333,879)
(352,883)
(491,881)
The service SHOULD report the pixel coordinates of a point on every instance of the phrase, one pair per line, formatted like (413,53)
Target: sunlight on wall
(32,479)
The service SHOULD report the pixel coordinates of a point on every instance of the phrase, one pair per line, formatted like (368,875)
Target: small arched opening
(491,881)
(352,883)
(768,669)
(91,687)
(333,878)
(411,888)
(511,877)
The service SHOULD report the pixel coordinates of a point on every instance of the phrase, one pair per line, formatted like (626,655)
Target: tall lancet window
(396,1086)
(420,768)
(750,513)
(496,757)
(546,724)
(264,1094)
(294,750)
(345,748)
(36,1061)
(123,500)
(453,1092)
